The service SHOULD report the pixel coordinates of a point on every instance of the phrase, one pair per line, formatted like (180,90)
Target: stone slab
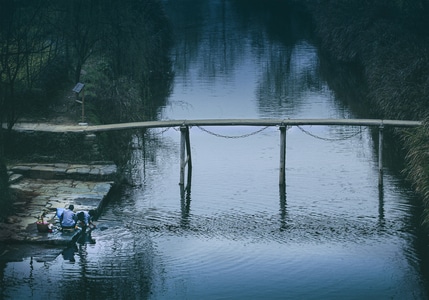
(43,196)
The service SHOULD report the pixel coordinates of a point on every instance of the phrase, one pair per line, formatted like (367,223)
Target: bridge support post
(282,175)
(185,157)
(380,155)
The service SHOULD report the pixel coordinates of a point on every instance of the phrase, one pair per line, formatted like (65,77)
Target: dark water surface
(331,234)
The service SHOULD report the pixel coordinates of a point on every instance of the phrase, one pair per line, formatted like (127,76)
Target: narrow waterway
(330,234)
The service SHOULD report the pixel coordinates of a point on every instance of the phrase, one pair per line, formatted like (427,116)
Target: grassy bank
(389,40)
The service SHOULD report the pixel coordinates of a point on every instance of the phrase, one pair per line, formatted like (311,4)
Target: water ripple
(262,227)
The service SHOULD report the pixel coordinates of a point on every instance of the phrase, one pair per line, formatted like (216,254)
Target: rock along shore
(42,188)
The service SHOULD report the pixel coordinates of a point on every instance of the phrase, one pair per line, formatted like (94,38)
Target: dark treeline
(45,44)
(118,49)
(386,44)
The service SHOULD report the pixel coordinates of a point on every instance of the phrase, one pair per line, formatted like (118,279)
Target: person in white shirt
(68,218)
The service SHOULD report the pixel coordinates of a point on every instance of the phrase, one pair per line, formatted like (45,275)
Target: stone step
(91,172)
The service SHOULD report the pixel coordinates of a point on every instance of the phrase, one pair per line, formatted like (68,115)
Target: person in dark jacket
(84,219)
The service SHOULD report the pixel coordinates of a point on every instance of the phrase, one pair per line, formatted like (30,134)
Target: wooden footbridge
(185,145)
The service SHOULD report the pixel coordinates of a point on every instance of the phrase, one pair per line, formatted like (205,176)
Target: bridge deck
(212,122)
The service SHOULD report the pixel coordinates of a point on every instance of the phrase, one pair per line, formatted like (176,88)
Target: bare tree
(79,22)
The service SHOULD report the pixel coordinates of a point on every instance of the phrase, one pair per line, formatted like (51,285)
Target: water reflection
(290,74)
(69,252)
(283,207)
(185,208)
(199,38)
(217,33)
(336,136)
(185,205)
(381,220)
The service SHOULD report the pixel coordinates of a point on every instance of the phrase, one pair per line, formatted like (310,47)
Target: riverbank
(385,46)
(40,189)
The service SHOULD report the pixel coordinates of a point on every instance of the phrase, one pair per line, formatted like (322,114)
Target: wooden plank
(252,122)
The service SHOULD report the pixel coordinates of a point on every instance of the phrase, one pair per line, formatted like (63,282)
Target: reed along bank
(384,45)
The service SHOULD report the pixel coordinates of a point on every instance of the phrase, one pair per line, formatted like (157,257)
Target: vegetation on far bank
(388,43)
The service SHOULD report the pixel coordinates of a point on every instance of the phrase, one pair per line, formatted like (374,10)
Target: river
(331,233)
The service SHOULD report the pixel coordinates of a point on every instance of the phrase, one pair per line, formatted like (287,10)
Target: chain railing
(264,128)
(232,136)
(330,139)
(161,132)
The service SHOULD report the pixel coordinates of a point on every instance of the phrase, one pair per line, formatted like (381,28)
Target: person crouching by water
(68,218)
(84,219)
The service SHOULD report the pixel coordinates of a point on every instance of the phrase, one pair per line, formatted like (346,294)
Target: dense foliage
(118,49)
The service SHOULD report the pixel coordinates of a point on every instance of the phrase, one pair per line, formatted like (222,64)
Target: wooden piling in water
(282,175)
(380,155)
(185,157)
(189,158)
(182,154)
